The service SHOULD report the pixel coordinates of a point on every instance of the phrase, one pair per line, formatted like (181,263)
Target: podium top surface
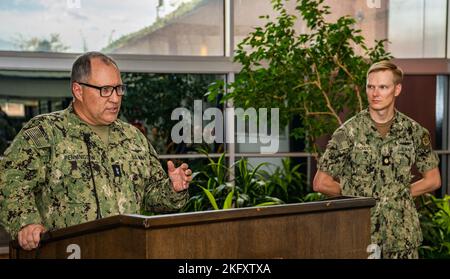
(180,219)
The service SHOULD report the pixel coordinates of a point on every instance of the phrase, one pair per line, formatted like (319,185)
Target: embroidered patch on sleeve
(38,136)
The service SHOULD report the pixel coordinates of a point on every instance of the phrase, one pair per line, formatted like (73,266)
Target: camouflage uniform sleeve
(22,170)
(159,194)
(335,156)
(426,158)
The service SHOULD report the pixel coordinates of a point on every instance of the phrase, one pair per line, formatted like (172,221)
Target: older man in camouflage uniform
(371,155)
(82,163)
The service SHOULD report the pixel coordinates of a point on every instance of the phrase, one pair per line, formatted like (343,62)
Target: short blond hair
(386,65)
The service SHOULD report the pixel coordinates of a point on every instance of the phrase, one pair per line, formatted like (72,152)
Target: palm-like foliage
(252,186)
(435,222)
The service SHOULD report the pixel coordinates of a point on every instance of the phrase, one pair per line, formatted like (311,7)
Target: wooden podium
(335,228)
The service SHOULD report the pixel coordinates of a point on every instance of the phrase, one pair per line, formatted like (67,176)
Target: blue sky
(20,5)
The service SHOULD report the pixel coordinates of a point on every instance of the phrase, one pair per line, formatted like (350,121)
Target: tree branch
(336,60)
(329,106)
(358,92)
(304,84)
(320,113)
(358,95)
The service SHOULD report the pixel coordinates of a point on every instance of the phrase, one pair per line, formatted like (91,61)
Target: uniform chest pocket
(136,169)
(362,166)
(131,160)
(134,179)
(362,159)
(403,154)
(71,180)
(362,170)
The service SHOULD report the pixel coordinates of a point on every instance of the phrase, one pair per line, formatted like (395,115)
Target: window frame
(42,61)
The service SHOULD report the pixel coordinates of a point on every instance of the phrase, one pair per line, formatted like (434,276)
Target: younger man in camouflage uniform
(82,163)
(371,155)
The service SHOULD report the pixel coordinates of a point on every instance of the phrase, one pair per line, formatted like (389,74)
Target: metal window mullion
(13,60)
(447,30)
(442,112)
(423,27)
(229,28)
(230,131)
(445,164)
(229,119)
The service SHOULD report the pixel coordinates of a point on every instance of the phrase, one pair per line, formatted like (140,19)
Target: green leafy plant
(252,186)
(435,223)
(209,186)
(317,76)
(287,182)
(211,190)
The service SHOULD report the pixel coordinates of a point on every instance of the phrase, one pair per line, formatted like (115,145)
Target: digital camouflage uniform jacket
(45,175)
(368,165)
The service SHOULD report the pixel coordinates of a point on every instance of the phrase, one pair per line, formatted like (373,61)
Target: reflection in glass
(372,21)
(151,100)
(441,111)
(169,27)
(417,28)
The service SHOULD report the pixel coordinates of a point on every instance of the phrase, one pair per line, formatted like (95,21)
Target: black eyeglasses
(107,90)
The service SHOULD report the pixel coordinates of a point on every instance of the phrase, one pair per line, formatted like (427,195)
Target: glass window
(370,19)
(25,94)
(417,28)
(444,162)
(414,28)
(149,103)
(252,137)
(246,17)
(152,99)
(442,112)
(164,27)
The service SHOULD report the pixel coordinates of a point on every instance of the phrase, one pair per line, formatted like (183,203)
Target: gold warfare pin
(426,140)
(386,160)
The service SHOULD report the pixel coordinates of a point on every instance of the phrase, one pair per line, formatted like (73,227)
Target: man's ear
(77,91)
(398,89)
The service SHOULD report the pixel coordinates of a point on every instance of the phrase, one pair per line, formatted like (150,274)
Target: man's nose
(115,98)
(376,91)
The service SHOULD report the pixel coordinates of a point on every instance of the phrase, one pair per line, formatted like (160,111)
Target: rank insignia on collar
(117,171)
(386,161)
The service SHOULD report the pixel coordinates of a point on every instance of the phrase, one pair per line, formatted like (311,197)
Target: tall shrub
(317,76)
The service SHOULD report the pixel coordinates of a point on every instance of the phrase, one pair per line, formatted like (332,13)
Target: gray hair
(81,68)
